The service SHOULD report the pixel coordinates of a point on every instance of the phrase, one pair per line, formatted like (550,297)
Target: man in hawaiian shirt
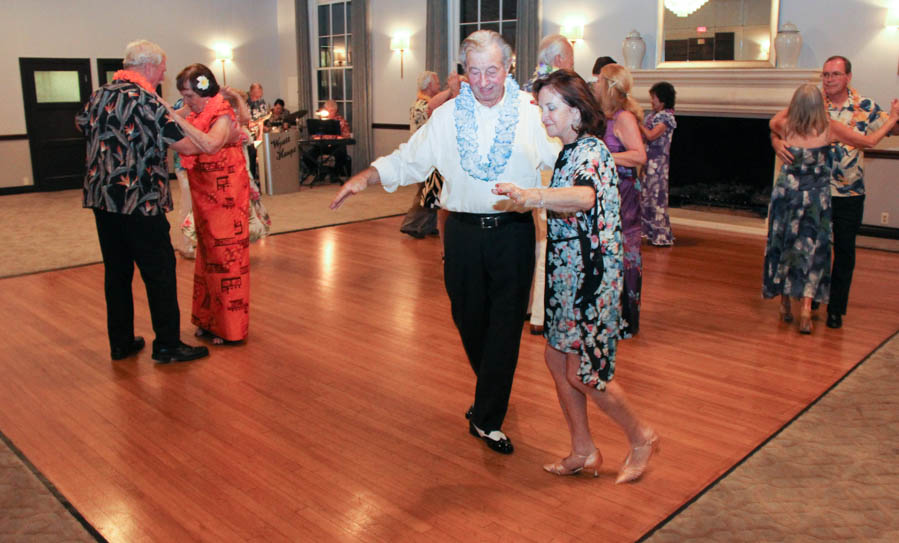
(490,133)
(847,189)
(127,186)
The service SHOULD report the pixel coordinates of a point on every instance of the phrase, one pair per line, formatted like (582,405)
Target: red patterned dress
(220,190)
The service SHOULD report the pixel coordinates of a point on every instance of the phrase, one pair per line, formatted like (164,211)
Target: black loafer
(834,320)
(469,412)
(118,353)
(182,353)
(501,444)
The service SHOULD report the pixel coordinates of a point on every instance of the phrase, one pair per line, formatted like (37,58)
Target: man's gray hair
(482,40)
(552,46)
(140,52)
(424,80)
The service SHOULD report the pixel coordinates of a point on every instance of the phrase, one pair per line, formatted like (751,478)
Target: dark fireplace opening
(722,162)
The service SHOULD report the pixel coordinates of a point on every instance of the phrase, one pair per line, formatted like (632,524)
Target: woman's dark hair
(664,91)
(278,102)
(600,62)
(575,93)
(196,76)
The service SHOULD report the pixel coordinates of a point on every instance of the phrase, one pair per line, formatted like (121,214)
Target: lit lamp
(340,56)
(892,17)
(574,33)
(400,43)
(223,52)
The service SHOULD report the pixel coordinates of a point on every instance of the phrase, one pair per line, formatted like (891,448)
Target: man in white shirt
(490,133)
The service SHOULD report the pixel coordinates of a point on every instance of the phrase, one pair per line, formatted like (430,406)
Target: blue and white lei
(467,133)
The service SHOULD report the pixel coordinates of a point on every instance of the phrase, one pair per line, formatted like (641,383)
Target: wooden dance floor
(341,419)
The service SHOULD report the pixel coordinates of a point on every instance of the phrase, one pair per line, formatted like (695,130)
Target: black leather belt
(492,220)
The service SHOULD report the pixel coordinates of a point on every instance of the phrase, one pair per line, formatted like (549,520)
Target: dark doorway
(54,90)
(105,68)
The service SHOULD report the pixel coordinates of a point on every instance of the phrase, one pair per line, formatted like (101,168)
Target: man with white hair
(555,53)
(490,133)
(127,185)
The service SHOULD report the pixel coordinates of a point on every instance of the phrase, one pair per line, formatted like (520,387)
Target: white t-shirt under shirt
(434,146)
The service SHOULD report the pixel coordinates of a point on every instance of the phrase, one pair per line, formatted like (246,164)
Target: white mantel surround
(739,92)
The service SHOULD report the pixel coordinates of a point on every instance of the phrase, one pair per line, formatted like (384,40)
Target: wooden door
(54,90)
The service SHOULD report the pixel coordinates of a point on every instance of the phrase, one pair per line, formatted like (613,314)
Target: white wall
(392,96)
(825,29)
(102,28)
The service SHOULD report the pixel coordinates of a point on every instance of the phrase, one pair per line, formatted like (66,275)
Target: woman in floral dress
(584,264)
(657,128)
(797,254)
(623,138)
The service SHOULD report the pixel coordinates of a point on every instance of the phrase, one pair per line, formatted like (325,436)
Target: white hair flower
(202,82)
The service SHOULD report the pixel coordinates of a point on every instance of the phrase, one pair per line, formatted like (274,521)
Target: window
(334,57)
(498,15)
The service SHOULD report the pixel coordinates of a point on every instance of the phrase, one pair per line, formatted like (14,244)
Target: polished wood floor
(341,419)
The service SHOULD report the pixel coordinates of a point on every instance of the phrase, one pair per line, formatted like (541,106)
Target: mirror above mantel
(716,33)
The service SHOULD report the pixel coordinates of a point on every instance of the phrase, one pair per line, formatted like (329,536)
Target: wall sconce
(892,17)
(400,43)
(223,52)
(574,33)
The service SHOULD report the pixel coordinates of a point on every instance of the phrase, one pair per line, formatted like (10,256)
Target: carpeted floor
(50,230)
(831,475)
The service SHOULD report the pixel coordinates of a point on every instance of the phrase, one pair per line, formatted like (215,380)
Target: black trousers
(126,240)
(847,219)
(488,274)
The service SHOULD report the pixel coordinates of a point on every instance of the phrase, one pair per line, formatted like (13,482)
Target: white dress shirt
(434,146)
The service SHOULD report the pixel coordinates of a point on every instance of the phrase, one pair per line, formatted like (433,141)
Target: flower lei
(133,77)
(467,130)
(203,121)
(543,70)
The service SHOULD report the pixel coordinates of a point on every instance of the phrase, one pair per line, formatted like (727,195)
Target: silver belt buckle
(489,221)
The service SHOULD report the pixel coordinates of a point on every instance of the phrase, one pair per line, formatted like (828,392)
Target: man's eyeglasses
(831,75)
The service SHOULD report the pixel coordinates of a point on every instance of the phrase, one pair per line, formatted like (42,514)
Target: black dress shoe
(500,444)
(834,320)
(469,412)
(182,353)
(118,353)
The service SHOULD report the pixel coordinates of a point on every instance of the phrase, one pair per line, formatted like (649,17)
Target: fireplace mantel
(746,92)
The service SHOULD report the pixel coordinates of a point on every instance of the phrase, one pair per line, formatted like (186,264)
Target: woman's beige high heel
(637,460)
(592,461)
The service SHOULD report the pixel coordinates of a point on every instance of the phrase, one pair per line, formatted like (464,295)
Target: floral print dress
(797,255)
(584,262)
(656,224)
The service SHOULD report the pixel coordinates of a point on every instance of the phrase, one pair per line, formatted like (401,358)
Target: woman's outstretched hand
(522,197)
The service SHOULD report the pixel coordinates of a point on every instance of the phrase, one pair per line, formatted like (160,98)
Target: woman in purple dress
(625,141)
(657,128)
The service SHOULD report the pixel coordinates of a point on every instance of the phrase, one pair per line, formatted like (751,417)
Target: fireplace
(721,153)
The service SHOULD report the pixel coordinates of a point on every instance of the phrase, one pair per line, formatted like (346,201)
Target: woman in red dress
(220,191)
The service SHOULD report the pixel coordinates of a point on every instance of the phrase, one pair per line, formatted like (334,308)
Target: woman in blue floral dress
(657,128)
(797,254)
(584,264)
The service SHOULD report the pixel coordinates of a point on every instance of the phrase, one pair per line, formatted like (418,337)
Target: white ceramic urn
(633,50)
(787,46)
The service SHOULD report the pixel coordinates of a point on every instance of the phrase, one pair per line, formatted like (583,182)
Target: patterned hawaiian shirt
(418,114)
(865,116)
(127,131)
(258,108)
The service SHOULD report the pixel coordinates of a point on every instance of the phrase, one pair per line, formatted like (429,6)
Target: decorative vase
(633,50)
(787,45)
